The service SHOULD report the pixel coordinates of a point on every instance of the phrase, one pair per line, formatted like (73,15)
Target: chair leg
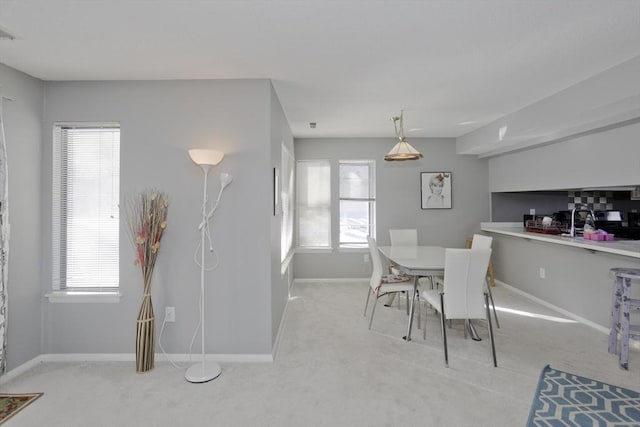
(424,328)
(390,299)
(493,346)
(492,303)
(407,294)
(367,303)
(444,331)
(419,312)
(373,310)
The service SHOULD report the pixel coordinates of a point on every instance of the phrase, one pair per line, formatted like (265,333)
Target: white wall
(160,120)
(398,198)
(575,280)
(606,99)
(607,158)
(585,136)
(22,120)
(280,134)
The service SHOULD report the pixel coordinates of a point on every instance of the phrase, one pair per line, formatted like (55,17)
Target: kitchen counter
(569,274)
(629,248)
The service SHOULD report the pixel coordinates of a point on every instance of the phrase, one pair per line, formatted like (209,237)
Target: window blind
(314,203)
(85,202)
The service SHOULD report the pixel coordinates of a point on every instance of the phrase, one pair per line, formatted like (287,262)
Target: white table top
(416,260)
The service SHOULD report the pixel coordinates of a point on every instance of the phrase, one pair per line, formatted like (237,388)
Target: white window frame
(371,200)
(78,293)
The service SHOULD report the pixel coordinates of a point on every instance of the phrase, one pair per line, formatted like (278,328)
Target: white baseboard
(130,357)
(320,281)
(281,327)
(569,314)
(15,372)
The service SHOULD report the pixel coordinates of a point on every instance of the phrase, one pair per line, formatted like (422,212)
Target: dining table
(420,261)
(417,261)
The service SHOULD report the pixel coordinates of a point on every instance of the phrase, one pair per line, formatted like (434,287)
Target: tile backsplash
(596,200)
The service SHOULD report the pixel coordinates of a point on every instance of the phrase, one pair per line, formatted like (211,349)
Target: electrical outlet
(170,314)
(532,211)
(366,258)
(543,273)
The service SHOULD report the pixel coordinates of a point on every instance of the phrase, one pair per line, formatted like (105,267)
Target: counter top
(630,248)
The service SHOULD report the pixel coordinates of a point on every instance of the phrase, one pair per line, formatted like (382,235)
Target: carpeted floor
(331,371)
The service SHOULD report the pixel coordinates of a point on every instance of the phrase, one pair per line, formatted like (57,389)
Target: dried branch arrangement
(147,220)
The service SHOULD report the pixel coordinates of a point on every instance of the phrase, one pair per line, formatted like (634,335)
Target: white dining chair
(481,241)
(401,237)
(405,237)
(463,294)
(383,284)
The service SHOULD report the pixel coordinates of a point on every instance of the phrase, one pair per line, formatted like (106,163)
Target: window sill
(285,264)
(88,297)
(353,249)
(314,250)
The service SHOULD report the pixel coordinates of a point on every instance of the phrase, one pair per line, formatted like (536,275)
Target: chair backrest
(404,237)
(464,283)
(481,241)
(376,275)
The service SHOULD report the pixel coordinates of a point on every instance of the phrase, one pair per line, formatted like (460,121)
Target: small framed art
(435,189)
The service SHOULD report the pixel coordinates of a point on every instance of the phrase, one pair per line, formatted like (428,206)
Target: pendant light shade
(402,150)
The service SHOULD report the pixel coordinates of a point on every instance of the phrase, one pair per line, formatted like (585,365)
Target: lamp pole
(200,373)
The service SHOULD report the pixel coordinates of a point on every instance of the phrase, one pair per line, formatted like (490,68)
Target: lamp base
(201,373)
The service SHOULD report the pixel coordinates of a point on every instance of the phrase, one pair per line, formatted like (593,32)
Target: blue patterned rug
(564,399)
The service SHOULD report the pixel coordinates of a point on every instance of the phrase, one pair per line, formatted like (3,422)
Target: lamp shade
(225,179)
(403,151)
(206,157)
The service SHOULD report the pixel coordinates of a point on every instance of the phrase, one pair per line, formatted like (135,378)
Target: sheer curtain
(4,241)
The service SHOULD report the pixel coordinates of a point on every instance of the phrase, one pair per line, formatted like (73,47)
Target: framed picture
(276,191)
(435,189)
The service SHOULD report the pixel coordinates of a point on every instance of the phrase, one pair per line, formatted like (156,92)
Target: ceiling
(348,65)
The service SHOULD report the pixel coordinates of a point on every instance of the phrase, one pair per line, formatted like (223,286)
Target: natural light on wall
(287,197)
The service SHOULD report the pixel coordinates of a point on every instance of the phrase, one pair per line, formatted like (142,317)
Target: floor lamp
(206,159)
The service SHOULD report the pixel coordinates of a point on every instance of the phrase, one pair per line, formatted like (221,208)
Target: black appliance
(609,221)
(633,229)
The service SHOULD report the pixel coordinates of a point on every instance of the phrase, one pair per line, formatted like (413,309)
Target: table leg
(473,332)
(413,306)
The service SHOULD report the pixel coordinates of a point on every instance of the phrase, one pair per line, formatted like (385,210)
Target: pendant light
(402,150)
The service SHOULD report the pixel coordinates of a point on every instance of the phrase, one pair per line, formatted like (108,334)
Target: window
(314,204)
(86,181)
(357,202)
